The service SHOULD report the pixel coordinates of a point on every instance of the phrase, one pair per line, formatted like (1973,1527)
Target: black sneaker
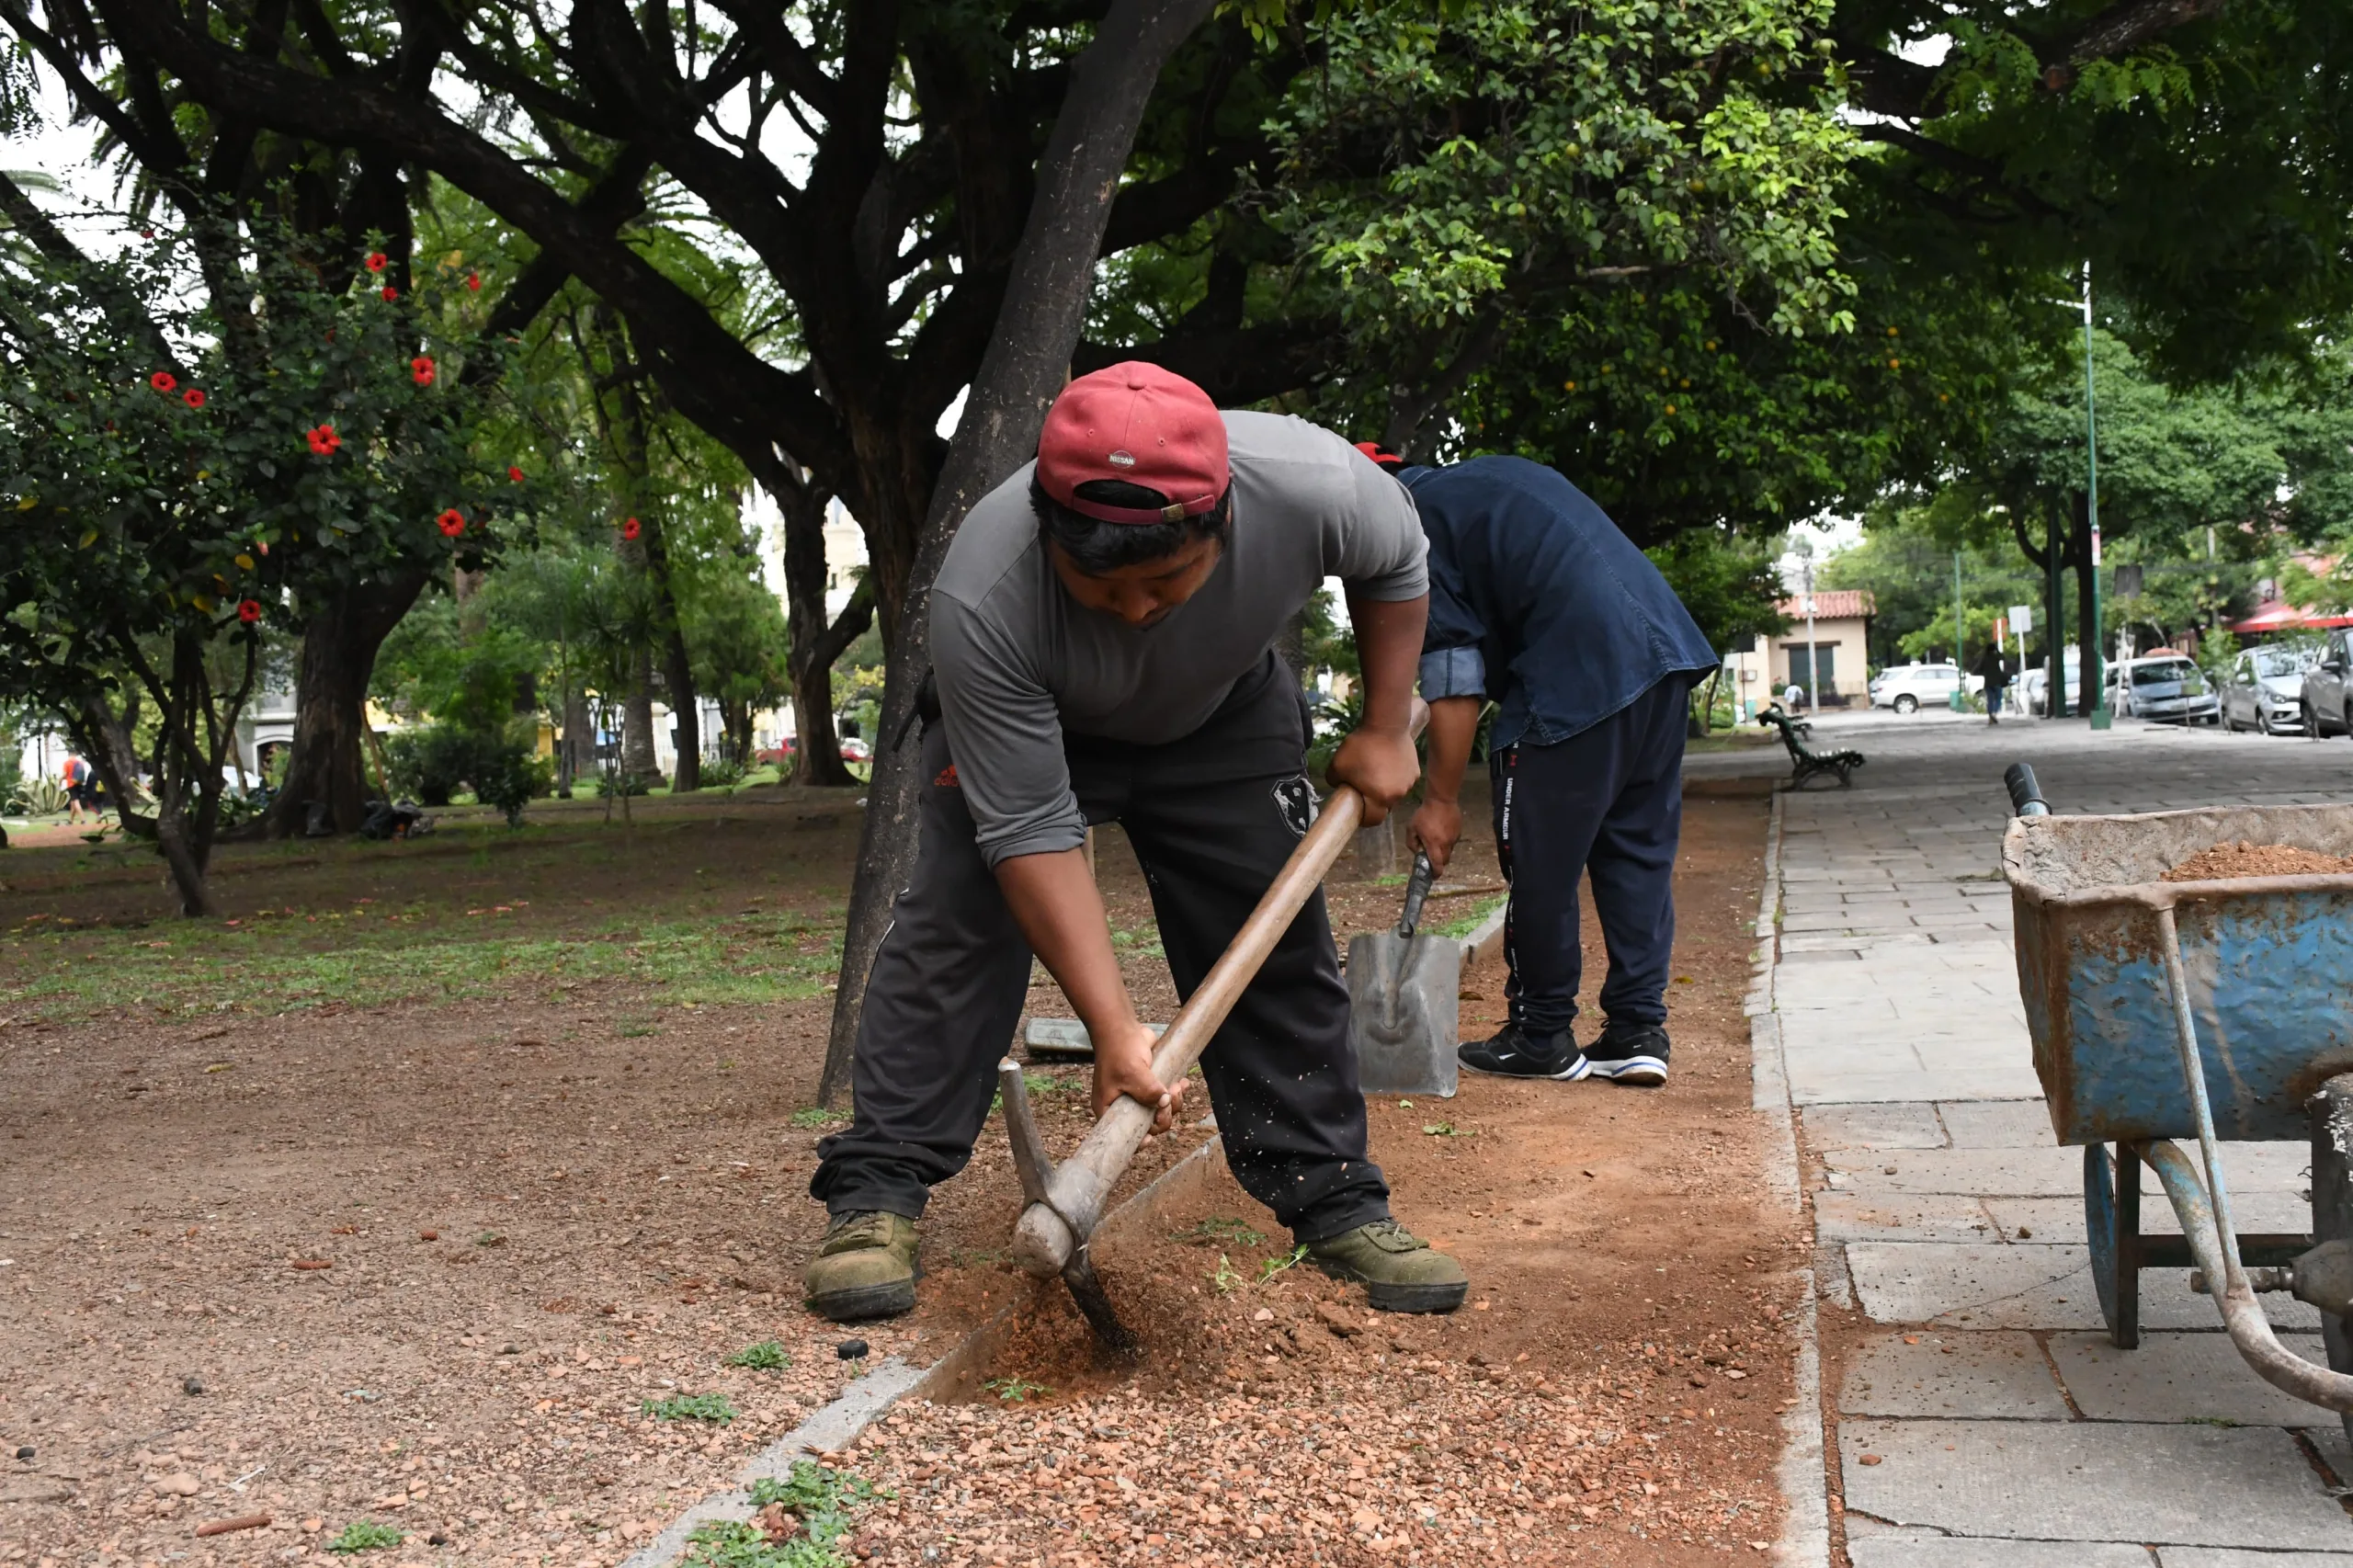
(1512,1054)
(1630,1053)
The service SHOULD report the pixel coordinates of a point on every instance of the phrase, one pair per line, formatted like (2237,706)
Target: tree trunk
(637,721)
(685,715)
(579,752)
(1028,358)
(678,669)
(813,644)
(340,636)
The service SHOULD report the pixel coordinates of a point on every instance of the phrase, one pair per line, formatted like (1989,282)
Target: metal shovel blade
(1405,1009)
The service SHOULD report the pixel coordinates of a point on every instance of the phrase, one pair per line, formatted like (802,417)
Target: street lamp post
(1804,548)
(2089,657)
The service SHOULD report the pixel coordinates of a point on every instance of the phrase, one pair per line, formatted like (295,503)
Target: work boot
(1515,1053)
(866,1268)
(1399,1272)
(1630,1053)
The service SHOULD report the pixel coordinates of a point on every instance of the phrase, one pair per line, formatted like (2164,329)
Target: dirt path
(551,1150)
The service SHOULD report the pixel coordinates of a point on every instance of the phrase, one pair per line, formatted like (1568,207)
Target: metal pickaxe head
(1036,1171)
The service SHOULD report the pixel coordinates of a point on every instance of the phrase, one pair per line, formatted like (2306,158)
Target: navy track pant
(1606,804)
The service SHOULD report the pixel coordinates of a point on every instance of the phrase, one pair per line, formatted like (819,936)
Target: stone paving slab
(1998,1124)
(2062,1219)
(2028,1286)
(1816,1081)
(1905,1550)
(2179,1377)
(1954,1375)
(2093,1480)
(1879,1217)
(2231,1557)
(2046,1172)
(1904,1126)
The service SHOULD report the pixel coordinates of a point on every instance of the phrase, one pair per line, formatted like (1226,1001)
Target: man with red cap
(1102,633)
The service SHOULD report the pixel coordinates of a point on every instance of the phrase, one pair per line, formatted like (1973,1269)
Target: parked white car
(1907,688)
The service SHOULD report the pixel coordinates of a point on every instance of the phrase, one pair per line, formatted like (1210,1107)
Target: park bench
(1806,762)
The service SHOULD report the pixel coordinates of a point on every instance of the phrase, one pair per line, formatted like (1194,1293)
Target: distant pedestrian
(81,789)
(1792,698)
(1996,671)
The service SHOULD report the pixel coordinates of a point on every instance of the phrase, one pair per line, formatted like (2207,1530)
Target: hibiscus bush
(181,450)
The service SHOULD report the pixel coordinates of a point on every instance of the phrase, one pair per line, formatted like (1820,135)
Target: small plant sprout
(1015,1391)
(767,1355)
(365,1535)
(1274,1265)
(692,1407)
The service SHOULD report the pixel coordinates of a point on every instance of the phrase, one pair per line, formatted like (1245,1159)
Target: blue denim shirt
(1539,602)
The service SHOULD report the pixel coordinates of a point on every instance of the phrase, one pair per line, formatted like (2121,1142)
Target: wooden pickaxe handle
(1051,1231)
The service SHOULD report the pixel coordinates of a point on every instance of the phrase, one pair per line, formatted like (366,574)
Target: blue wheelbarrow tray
(2269,963)
(2202,1010)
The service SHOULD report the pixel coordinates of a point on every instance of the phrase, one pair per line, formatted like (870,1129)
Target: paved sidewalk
(1989,1421)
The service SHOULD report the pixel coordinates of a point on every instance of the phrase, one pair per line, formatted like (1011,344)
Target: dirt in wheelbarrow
(2231,862)
(1611,1392)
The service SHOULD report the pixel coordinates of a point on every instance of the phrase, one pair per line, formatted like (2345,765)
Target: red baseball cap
(1142,424)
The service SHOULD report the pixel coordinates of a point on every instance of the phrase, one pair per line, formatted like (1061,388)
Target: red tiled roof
(1833,604)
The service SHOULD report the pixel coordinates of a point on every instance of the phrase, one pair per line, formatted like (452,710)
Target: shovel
(1404,1002)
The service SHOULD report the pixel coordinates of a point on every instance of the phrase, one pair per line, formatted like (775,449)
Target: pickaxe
(1066,1200)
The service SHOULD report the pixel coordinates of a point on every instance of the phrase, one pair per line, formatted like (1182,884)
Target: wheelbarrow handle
(2026,795)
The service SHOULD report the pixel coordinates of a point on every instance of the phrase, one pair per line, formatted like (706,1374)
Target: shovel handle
(1050,1231)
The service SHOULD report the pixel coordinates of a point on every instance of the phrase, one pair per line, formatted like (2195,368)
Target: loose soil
(2229,862)
(540,1106)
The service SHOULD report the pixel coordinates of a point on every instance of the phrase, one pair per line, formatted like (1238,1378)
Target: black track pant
(1212,817)
(1607,802)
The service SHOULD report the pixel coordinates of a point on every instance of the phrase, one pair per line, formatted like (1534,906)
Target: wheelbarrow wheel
(2332,1125)
(2100,1230)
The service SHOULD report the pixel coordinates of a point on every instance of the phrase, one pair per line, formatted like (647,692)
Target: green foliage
(37,798)
(432,761)
(1533,144)
(365,1535)
(1325,643)
(728,1543)
(183,471)
(767,1355)
(722,772)
(820,1498)
(814,1116)
(716,1407)
(1015,1391)
(1729,586)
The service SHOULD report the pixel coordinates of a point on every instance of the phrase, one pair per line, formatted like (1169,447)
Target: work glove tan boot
(866,1268)
(1399,1271)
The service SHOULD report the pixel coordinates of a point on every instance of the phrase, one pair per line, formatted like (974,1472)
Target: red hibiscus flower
(422,369)
(631,528)
(453,522)
(322,439)
(163,382)
(249,610)
(473,281)
(376,260)
(390,294)
(514,473)
(193,397)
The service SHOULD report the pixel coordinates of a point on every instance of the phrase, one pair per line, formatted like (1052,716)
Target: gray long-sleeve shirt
(1020,662)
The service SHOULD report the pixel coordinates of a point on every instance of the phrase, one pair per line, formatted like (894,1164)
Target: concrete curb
(1486,939)
(836,1427)
(1806,1529)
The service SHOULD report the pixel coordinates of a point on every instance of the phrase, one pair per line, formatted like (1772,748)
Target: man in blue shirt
(1539,603)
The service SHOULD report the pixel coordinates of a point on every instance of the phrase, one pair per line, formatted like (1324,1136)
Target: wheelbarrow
(2204,1010)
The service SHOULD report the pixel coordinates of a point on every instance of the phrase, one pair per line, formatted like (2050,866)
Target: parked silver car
(2264,690)
(2165,686)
